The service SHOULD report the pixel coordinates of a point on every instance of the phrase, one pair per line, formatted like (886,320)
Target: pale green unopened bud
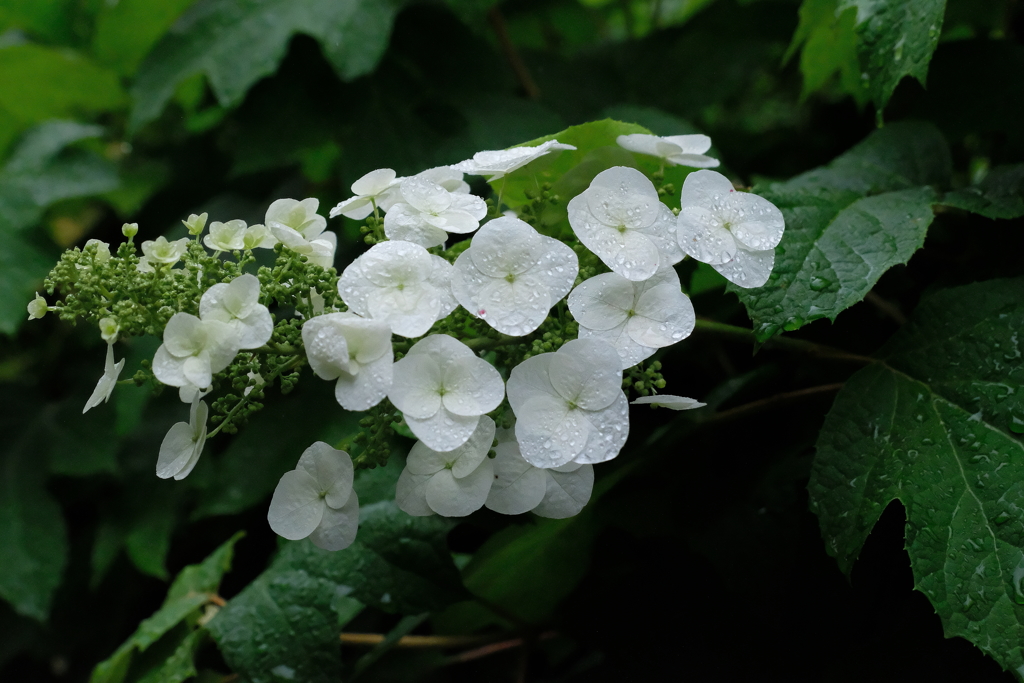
(37,308)
(109,328)
(130,230)
(195,224)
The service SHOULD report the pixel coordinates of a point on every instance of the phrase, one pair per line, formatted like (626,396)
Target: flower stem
(811,348)
(291,365)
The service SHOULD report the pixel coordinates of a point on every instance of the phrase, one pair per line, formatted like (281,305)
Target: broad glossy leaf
(828,45)
(999,195)
(846,224)
(936,424)
(237,42)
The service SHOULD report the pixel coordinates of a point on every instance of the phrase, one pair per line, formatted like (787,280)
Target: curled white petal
(105,385)
(669,401)
(498,163)
(682,150)
(297,507)
(183,444)
(337,528)
(566,493)
(331,469)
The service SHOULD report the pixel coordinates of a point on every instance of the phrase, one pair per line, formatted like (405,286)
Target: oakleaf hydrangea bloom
(569,405)
(498,163)
(447,177)
(161,252)
(512,275)
(734,232)
(237,303)
(193,350)
(181,448)
(620,218)
(109,329)
(105,387)
(520,487)
(450,483)
(226,236)
(675,150)
(367,190)
(427,213)
(37,308)
(669,401)
(298,226)
(194,224)
(443,388)
(316,499)
(355,351)
(637,318)
(258,236)
(401,284)
(101,252)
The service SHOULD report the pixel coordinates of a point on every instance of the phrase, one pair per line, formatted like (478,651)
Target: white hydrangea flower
(37,308)
(569,405)
(316,499)
(109,329)
(355,351)
(237,303)
(427,213)
(368,191)
(450,483)
(675,150)
(194,224)
(181,448)
(193,350)
(298,226)
(105,386)
(734,232)
(443,388)
(512,275)
(323,249)
(620,218)
(401,284)
(498,163)
(161,252)
(447,177)
(669,401)
(102,253)
(316,301)
(637,318)
(258,236)
(520,487)
(226,236)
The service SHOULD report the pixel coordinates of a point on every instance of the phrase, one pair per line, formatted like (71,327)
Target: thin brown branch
(515,60)
(886,307)
(217,600)
(370,639)
(773,402)
(494,648)
(705,326)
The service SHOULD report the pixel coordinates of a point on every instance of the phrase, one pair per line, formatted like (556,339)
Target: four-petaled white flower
(443,388)
(401,284)
(676,150)
(620,218)
(298,226)
(226,236)
(368,191)
(183,444)
(316,499)
(193,350)
(427,213)
(237,303)
(520,487)
(104,387)
(500,162)
(569,405)
(637,318)
(734,232)
(669,401)
(450,483)
(512,275)
(162,252)
(355,351)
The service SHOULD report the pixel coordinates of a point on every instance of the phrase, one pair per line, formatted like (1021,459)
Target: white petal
(175,450)
(623,196)
(291,238)
(702,235)
(610,428)
(367,388)
(337,529)
(567,493)
(255,329)
(296,508)
(411,494)
(518,486)
(700,187)
(693,161)
(423,460)
(669,401)
(506,245)
(453,497)
(425,195)
(415,388)
(756,223)
(184,335)
(443,348)
(472,387)
(549,433)
(107,382)
(640,143)
(326,346)
(404,222)
(663,233)
(169,369)
(602,302)
(528,379)
(514,308)
(443,431)
(557,269)
(664,316)
(331,469)
(469,455)
(410,311)
(629,351)
(471,204)
(197,370)
(690,144)
(629,253)
(375,182)
(356,208)
(748,268)
(587,373)
(441,278)
(324,247)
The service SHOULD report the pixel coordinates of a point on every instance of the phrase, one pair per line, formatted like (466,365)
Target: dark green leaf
(43,18)
(81,445)
(846,224)
(999,195)
(829,47)
(235,43)
(936,426)
(180,666)
(128,29)
(23,266)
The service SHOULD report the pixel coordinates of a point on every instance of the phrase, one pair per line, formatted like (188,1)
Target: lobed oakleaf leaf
(936,424)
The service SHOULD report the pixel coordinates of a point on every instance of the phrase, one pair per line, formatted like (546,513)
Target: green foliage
(846,224)
(935,424)
(1000,194)
(128,29)
(829,47)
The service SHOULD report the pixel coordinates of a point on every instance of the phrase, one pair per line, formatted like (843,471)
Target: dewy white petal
(331,469)
(448,178)
(471,386)
(300,216)
(416,386)
(669,401)
(629,351)
(566,493)
(466,458)
(403,222)
(369,387)
(237,304)
(105,385)
(297,507)
(374,183)
(337,528)
(518,486)
(663,316)
(193,350)
(452,483)
(323,247)
(586,373)
(602,302)
(411,494)
(450,496)
(609,431)
(684,150)
(183,444)
(443,431)
(748,269)
(226,236)
(498,163)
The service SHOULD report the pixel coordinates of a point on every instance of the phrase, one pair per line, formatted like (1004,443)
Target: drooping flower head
(620,218)
(401,284)
(512,275)
(499,163)
(427,212)
(569,405)
(183,444)
(734,232)
(675,150)
(637,318)
(442,389)
(355,351)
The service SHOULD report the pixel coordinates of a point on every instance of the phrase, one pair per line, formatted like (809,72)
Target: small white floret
(37,308)
(237,303)
(368,191)
(675,150)
(106,383)
(161,252)
(427,212)
(193,350)
(228,236)
(181,448)
(669,401)
(499,163)
(355,351)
